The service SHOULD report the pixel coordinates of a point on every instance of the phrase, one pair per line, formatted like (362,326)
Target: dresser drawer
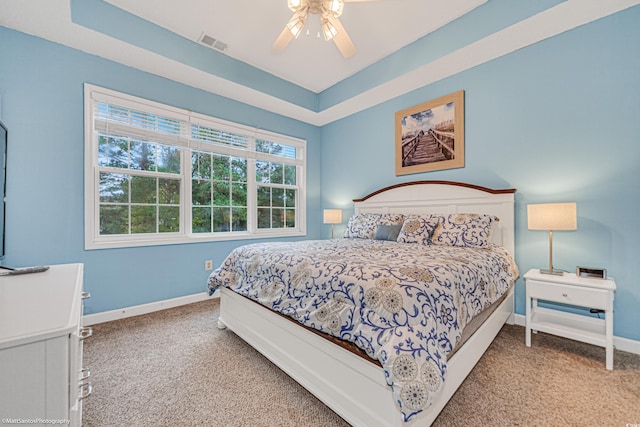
(568,294)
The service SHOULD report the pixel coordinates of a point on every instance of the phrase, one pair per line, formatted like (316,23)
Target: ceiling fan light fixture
(296,23)
(328,30)
(294,4)
(328,12)
(335,7)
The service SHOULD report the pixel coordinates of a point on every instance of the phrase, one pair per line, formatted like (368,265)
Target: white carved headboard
(446,197)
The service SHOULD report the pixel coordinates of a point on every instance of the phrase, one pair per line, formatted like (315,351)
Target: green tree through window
(219,193)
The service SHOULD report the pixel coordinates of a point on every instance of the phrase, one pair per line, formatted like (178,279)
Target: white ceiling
(249,27)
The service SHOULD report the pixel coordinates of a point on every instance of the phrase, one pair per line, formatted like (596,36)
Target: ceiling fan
(329,11)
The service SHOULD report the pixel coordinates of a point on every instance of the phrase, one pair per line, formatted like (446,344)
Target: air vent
(213,43)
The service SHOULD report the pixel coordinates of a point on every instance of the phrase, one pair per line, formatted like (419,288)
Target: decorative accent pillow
(362,226)
(464,230)
(418,229)
(391,219)
(387,232)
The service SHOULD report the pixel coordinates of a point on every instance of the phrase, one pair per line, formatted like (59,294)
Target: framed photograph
(430,136)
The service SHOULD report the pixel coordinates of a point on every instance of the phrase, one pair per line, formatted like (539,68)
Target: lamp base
(554,272)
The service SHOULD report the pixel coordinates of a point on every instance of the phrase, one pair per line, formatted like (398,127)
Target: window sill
(137,241)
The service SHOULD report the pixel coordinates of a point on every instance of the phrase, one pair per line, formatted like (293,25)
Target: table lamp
(550,217)
(332,216)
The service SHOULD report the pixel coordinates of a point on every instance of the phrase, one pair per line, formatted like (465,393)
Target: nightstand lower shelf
(569,325)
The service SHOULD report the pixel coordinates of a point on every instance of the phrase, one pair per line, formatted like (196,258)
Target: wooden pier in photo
(435,145)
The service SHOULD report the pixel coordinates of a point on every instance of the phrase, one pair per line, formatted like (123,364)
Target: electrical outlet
(208,264)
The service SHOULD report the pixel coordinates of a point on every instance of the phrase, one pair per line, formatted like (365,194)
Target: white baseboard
(122,313)
(623,344)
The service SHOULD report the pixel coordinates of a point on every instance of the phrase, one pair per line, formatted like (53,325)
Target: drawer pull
(86,295)
(85,390)
(564,294)
(85,333)
(84,374)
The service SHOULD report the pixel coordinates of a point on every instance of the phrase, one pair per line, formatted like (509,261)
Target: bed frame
(348,384)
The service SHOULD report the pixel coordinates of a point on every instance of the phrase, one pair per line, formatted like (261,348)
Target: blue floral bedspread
(404,304)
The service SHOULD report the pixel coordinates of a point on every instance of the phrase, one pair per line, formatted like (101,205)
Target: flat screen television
(3,184)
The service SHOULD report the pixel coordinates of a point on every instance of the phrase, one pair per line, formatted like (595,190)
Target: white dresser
(41,335)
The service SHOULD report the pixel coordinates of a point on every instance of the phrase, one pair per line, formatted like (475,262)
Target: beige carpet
(175,368)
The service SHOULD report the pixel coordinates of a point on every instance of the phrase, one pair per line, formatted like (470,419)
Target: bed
(404,301)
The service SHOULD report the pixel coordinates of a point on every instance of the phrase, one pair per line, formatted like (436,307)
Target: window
(156,174)
(276,187)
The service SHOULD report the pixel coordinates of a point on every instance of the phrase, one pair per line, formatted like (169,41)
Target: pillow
(464,230)
(391,219)
(365,225)
(362,226)
(387,232)
(418,229)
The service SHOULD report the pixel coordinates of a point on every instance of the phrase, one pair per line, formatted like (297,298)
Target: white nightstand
(572,290)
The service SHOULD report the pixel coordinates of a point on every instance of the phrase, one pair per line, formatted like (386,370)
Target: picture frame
(430,136)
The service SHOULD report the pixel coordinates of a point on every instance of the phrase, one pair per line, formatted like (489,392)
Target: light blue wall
(41,89)
(558,121)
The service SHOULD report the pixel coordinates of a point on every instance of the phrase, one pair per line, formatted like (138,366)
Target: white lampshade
(332,216)
(328,30)
(336,7)
(552,216)
(296,23)
(293,4)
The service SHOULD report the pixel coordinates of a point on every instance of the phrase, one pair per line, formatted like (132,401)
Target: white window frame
(93,239)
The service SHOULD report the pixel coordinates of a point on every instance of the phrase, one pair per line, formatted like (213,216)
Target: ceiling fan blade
(292,29)
(342,39)
(282,41)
